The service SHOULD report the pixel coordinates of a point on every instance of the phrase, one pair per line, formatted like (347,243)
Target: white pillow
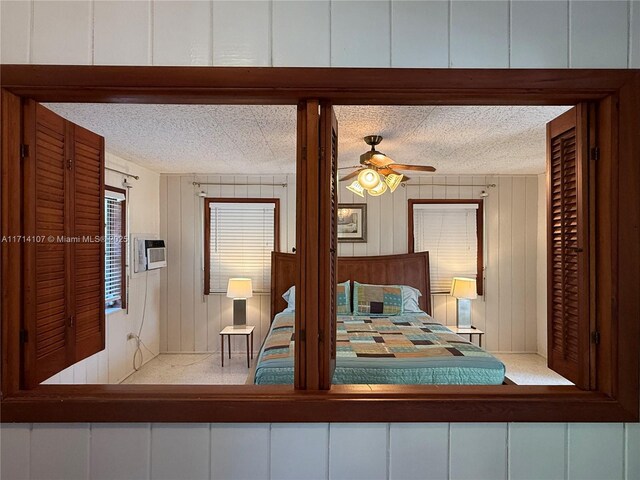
(290,297)
(410,299)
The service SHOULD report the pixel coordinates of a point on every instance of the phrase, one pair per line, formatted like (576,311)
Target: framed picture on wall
(352,222)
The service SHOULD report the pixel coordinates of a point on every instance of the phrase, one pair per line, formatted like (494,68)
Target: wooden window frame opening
(207,230)
(617,263)
(122,304)
(479,231)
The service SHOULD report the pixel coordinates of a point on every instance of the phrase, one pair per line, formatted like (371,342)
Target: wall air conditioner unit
(150,254)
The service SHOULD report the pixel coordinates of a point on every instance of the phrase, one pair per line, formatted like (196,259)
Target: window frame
(479,231)
(207,230)
(122,303)
(615,91)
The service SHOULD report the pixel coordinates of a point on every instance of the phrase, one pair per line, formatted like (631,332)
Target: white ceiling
(261,139)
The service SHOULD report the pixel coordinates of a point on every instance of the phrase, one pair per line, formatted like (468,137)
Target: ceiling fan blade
(349,176)
(375,158)
(416,168)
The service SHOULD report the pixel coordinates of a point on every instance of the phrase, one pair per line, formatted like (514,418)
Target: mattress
(405,349)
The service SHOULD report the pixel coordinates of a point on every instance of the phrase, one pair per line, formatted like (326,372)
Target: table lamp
(239,289)
(464,289)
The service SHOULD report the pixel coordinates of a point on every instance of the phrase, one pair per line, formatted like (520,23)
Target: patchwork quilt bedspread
(400,349)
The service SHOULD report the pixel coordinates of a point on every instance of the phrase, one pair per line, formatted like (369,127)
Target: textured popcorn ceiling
(261,139)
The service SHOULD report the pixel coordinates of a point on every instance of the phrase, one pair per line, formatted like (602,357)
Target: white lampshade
(464,288)
(368,178)
(356,188)
(239,288)
(378,189)
(393,181)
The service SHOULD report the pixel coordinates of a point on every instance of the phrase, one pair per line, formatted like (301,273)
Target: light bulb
(368,178)
(356,188)
(378,189)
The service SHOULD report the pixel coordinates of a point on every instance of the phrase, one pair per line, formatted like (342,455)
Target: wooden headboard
(408,269)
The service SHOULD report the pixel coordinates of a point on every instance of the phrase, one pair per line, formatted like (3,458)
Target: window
(616,300)
(239,238)
(451,231)
(114,248)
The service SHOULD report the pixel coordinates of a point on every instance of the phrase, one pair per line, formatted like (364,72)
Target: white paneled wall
(523,34)
(189,320)
(375,33)
(507,311)
(319,451)
(115,362)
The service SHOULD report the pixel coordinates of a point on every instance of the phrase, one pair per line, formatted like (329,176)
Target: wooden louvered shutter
(329,233)
(569,330)
(88,252)
(48,348)
(63,268)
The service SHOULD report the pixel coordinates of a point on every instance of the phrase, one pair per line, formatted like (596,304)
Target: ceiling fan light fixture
(356,188)
(378,189)
(369,178)
(393,180)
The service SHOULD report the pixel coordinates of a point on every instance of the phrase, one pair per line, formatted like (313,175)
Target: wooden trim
(479,231)
(308,246)
(618,250)
(11,306)
(266,85)
(207,229)
(123,260)
(343,403)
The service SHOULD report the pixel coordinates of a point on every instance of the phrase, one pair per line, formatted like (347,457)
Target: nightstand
(246,330)
(469,331)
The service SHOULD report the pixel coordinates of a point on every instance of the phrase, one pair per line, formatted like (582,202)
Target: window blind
(241,241)
(113,248)
(449,233)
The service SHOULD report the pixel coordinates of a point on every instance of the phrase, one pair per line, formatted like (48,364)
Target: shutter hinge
(71,321)
(24,151)
(595,153)
(24,336)
(595,337)
(304,153)
(70,164)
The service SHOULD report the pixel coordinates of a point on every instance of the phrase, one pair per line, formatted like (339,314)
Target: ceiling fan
(377,172)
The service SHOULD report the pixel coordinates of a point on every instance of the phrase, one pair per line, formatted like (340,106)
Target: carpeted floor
(196,368)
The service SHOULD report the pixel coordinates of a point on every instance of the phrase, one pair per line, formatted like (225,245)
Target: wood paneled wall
(507,311)
(404,451)
(438,34)
(523,34)
(191,322)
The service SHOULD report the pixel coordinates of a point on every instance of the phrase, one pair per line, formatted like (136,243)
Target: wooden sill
(343,403)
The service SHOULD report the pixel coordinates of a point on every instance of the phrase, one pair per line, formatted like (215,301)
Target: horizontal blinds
(449,233)
(241,241)
(113,247)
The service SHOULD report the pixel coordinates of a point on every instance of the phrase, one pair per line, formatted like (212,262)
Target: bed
(410,348)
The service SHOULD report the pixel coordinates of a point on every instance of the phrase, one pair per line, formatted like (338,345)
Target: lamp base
(239,312)
(463,319)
